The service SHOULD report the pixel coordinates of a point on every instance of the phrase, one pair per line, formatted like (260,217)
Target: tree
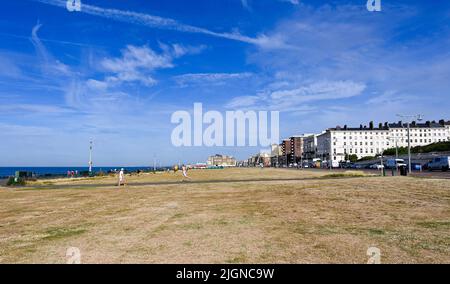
(352,158)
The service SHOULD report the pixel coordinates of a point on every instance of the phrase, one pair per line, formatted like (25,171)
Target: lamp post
(395,139)
(90,157)
(418,117)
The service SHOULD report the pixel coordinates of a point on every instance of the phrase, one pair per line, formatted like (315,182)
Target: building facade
(221,161)
(309,147)
(296,143)
(336,143)
(276,150)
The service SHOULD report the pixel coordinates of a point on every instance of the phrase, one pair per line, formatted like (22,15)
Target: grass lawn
(228,216)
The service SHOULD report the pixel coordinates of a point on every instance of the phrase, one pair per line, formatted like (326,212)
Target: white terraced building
(364,141)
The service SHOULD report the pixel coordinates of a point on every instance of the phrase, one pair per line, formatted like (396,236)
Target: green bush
(435,147)
(12,181)
(352,158)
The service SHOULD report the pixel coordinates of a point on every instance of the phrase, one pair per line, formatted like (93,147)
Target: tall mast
(90,156)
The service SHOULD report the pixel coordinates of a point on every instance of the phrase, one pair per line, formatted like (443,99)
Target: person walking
(121,177)
(184,170)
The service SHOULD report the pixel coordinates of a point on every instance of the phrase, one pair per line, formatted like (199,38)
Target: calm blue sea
(40,171)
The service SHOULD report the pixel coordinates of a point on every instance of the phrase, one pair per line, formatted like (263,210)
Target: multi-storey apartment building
(296,143)
(335,143)
(420,133)
(309,147)
(286,147)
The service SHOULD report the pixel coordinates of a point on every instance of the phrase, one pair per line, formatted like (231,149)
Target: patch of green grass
(343,175)
(179,215)
(376,231)
(303,229)
(434,224)
(59,233)
(193,226)
(220,222)
(240,258)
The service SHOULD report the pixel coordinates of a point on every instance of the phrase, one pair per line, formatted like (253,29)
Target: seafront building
(334,145)
(221,161)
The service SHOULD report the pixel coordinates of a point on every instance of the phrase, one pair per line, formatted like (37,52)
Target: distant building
(221,161)
(309,147)
(276,150)
(296,149)
(285,147)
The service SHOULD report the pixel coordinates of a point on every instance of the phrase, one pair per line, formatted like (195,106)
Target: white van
(395,163)
(439,163)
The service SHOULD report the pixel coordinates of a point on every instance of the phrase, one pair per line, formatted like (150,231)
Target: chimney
(380,125)
(371,125)
(442,122)
(345,126)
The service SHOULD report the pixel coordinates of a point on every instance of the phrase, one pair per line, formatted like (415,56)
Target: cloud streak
(209,78)
(166,23)
(294,99)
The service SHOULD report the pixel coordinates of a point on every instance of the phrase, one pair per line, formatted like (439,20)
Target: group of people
(72,174)
(122,181)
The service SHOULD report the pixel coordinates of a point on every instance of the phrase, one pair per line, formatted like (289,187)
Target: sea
(62,171)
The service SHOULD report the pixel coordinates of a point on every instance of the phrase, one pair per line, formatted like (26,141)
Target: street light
(395,139)
(90,156)
(417,117)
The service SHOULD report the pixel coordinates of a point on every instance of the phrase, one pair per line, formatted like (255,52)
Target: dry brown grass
(320,220)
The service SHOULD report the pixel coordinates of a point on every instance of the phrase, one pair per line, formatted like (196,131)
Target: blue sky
(117,70)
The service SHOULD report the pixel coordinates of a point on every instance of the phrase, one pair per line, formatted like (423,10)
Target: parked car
(416,167)
(439,163)
(377,166)
(395,163)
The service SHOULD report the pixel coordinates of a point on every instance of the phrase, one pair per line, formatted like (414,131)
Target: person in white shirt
(121,177)
(184,169)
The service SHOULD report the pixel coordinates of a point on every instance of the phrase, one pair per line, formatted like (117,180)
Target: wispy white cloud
(246,4)
(135,65)
(209,78)
(177,50)
(295,99)
(322,90)
(385,68)
(168,24)
(244,101)
(48,63)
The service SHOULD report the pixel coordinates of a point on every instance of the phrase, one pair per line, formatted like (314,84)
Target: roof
(387,126)
(416,125)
